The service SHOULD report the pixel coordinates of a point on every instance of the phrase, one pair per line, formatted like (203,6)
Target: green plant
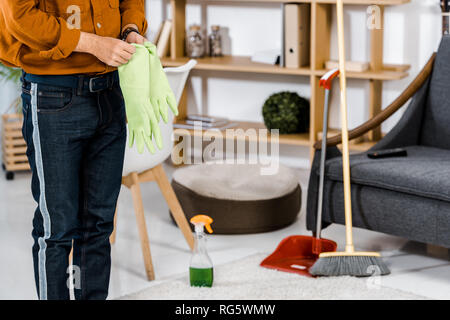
(286,111)
(8,74)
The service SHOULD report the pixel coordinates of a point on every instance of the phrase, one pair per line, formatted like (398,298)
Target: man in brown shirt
(75,129)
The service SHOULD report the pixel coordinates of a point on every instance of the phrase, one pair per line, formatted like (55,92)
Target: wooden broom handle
(345,153)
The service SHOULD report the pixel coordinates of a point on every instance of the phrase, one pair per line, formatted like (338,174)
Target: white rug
(245,279)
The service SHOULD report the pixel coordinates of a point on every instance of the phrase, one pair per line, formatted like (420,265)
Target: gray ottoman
(238,197)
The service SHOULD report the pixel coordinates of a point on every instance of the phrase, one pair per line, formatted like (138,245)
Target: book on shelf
(204,118)
(204,122)
(207,124)
(184,125)
(158,33)
(162,46)
(296,35)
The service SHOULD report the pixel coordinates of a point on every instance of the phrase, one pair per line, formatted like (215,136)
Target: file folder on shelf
(297,35)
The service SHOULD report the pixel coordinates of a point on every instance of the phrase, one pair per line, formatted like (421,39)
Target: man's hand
(134,37)
(111,51)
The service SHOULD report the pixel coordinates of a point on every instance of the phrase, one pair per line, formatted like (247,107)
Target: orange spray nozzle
(203,220)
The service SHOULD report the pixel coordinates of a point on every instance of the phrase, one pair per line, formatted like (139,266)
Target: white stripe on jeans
(42,201)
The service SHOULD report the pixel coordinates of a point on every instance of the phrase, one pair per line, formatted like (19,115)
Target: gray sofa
(404,196)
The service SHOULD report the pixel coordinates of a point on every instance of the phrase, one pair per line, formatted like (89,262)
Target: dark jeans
(76,143)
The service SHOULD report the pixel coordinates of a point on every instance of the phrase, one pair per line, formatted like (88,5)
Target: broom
(348,262)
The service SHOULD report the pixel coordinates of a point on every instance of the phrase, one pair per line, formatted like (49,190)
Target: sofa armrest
(371,124)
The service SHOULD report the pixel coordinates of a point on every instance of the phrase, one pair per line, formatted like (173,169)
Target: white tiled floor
(412,270)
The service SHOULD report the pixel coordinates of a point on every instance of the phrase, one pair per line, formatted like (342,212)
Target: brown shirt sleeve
(38,30)
(133,12)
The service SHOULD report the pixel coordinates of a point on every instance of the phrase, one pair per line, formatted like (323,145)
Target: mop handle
(345,153)
(322,165)
(325,82)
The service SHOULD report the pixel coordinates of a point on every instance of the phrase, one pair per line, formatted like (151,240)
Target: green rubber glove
(161,94)
(134,82)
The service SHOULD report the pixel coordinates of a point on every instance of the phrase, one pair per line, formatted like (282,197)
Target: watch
(127,31)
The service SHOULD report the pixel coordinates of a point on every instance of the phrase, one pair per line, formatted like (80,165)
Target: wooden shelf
(236,64)
(396,67)
(366,2)
(297,139)
(263,1)
(244,64)
(355,2)
(389,72)
(300,139)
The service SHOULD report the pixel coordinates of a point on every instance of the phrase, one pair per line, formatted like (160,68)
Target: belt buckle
(91,85)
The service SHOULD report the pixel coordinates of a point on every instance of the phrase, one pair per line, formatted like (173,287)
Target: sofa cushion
(424,172)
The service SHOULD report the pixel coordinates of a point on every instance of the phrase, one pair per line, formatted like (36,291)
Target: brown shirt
(39,36)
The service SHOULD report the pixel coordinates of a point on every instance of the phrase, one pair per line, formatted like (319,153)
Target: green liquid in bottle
(201,277)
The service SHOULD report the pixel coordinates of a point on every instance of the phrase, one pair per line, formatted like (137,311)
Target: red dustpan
(298,253)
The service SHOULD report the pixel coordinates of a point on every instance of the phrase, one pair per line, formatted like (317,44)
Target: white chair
(139,168)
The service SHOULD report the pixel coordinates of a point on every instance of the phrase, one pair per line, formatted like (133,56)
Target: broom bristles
(358,266)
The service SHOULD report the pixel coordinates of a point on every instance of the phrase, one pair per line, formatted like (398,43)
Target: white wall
(412,32)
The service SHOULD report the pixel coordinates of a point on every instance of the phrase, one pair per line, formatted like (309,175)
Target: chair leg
(174,204)
(142,226)
(112,238)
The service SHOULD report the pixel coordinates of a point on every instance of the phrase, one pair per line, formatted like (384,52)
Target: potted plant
(13,145)
(287,112)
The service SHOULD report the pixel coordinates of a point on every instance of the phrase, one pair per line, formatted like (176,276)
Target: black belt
(82,83)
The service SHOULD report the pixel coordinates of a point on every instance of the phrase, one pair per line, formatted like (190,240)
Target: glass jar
(195,42)
(215,42)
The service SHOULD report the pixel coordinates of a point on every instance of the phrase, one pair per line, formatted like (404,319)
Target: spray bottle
(201,267)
